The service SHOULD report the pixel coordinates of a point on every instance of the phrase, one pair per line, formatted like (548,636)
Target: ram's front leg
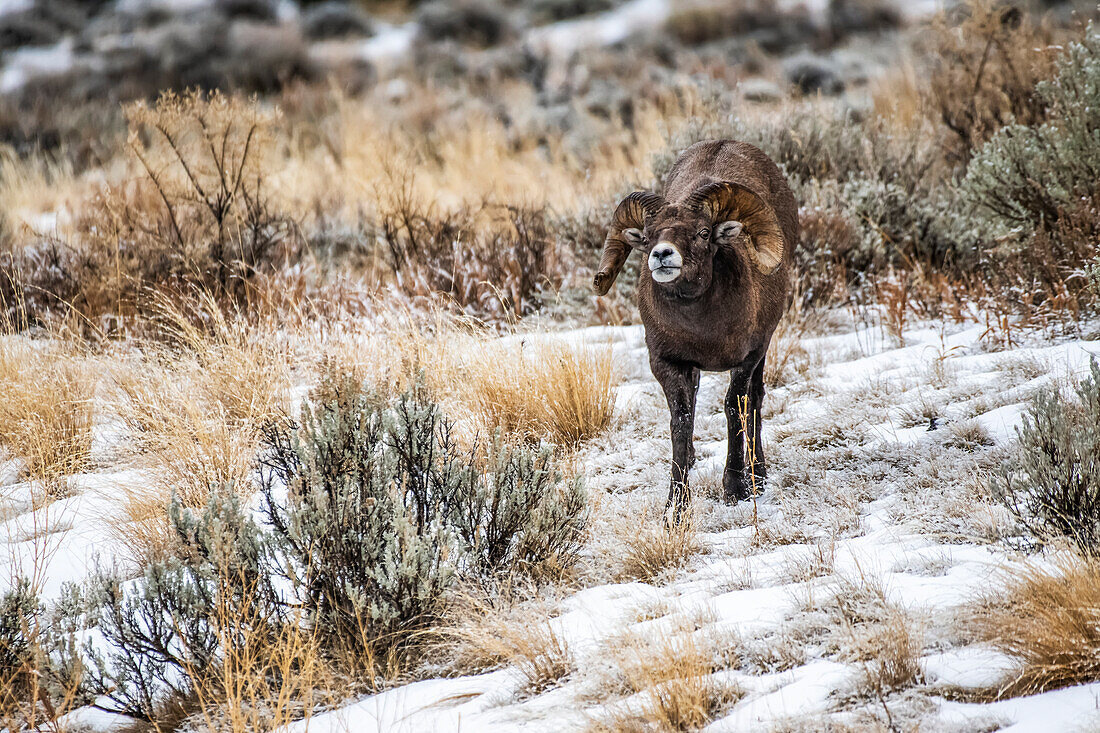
(680,382)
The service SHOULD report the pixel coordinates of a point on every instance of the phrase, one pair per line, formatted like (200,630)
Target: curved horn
(727,201)
(631,213)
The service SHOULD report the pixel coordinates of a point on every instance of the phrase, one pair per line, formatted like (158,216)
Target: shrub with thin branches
(40,671)
(384,507)
(1052,485)
(197,215)
(985,73)
(1028,175)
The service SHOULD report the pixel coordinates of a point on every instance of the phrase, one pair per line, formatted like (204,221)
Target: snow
(14,6)
(891,552)
(568,36)
(925,559)
(389,42)
(25,63)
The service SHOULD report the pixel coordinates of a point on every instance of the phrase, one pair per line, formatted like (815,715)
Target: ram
(718,243)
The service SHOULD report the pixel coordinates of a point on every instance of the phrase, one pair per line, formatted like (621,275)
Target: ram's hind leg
(734,486)
(757,467)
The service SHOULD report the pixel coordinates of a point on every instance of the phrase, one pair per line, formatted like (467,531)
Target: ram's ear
(727,231)
(624,233)
(634,238)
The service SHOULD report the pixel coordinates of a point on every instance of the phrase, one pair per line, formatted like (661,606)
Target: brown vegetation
(1047,619)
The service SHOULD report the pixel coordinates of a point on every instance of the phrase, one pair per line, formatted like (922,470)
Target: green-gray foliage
(1024,177)
(383,509)
(20,614)
(362,525)
(373,511)
(171,622)
(1053,486)
(39,659)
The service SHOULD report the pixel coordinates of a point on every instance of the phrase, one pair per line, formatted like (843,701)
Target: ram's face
(681,247)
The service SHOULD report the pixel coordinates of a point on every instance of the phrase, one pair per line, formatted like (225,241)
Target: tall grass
(1048,619)
(543,389)
(46,407)
(193,406)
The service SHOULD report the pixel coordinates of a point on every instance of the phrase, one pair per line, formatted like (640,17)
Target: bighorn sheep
(719,245)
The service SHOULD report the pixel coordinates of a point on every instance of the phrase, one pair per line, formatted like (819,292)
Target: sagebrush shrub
(174,625)
(363,525)
(372,511)
(40,671)
(20,610)
(384,507)
(1027,176)
(1053,486)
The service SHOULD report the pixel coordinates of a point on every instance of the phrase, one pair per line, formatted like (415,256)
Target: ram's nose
(663,252)
(664,255)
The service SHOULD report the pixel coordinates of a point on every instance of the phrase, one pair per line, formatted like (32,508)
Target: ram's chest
(713,344)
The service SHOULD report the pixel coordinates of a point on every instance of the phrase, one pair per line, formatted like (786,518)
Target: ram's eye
(704,233)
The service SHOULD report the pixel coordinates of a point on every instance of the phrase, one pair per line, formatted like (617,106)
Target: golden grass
(34,184)
(264,682)
(532,389)
(1048,618)
(543,390)
(193,412)
(46,408)
(651,547)
(674,677)
(521,637)
(454,154)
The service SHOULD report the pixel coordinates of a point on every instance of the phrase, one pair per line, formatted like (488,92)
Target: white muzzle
(665,262)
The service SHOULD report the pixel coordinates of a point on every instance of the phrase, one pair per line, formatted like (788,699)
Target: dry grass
(499,637)
(674,680)
(193,412)
(534,388)
(264,683)
(787,358)
(543,390)
(652,547)
(46,408)
(969,435)
(1049,619)
(805,566)
(890,655)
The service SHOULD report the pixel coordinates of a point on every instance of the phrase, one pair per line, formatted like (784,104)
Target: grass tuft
(544,390)
(1048,618)
(652,547)
(46,410)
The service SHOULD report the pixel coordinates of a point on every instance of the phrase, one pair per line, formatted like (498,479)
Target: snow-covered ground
(880,503)
(875,495)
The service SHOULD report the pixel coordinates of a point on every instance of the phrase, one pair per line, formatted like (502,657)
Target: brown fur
(721,312)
